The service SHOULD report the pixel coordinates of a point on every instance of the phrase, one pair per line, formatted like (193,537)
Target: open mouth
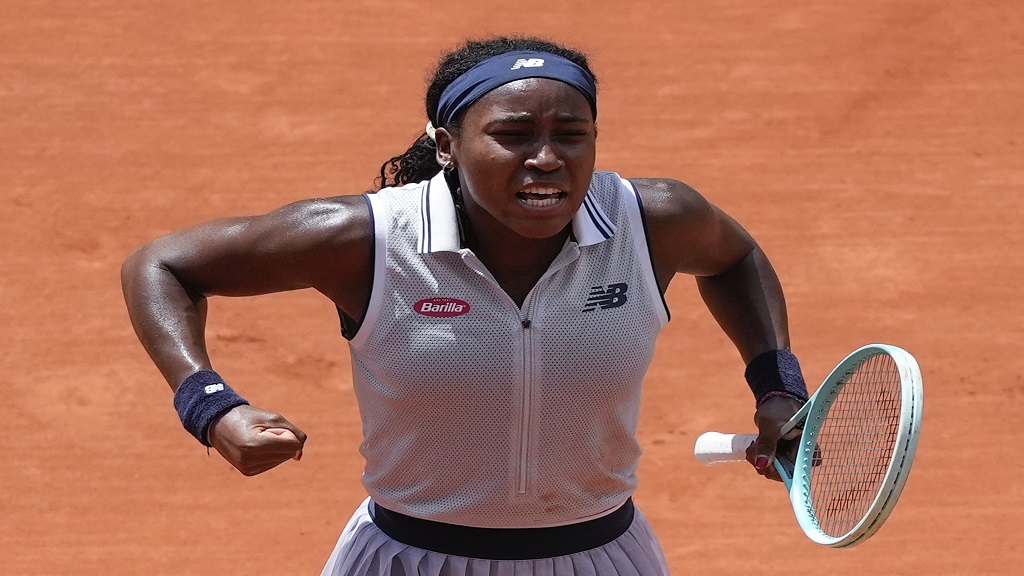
(541,197)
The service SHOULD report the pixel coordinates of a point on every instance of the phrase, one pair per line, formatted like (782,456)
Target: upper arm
(325,244)
(688,234)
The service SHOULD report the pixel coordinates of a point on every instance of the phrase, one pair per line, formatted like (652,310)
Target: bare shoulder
(335,220)
(670,201)
(320,243)
(688,234)
(325,243)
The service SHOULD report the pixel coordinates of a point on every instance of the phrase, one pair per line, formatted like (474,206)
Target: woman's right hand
(770,417)
(254,440)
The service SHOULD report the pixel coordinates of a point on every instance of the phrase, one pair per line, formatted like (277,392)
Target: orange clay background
(875,148)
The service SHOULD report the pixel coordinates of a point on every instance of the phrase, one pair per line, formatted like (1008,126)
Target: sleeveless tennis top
(479,412)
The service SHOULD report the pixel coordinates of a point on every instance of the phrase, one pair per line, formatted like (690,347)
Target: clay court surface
(876,149)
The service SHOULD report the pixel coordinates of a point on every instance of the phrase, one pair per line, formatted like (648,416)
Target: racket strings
(855,444)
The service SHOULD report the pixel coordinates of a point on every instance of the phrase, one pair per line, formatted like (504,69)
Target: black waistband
(503,543)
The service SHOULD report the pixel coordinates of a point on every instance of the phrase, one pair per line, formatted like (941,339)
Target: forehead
(534,96)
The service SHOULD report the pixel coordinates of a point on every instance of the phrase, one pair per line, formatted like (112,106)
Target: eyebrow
(526,117)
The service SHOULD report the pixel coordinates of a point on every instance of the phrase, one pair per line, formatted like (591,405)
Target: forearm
(169,318)
(747,302)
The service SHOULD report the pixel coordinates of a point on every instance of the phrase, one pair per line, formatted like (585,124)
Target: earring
(448,167)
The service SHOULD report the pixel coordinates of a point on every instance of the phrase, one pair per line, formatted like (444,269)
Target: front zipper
(525,418)
(525,315)
(527,401)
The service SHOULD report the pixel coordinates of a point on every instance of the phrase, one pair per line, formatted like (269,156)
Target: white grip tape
(716,448)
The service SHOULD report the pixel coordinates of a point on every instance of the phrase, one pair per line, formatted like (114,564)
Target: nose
(545,159)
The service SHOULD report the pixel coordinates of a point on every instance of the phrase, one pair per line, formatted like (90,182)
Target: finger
(282,424)
(254,469)
(288,442)
(300,439)
(279,422)
(281,436)
(264,458)
(282,432)
(764,451)
(769,471)
(279,441)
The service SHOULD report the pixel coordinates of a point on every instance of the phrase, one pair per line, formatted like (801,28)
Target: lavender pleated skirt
(363,550)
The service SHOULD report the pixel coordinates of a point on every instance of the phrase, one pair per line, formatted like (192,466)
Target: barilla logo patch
(528,63)
(441,307)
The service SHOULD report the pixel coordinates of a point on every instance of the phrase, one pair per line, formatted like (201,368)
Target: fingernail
(761,462)
(298,456)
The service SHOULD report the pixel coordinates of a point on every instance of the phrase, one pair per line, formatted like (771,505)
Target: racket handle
(716,448)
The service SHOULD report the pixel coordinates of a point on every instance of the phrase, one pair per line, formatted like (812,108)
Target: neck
(514,251)
(515,262)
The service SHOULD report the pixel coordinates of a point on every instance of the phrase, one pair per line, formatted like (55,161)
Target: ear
(445,143)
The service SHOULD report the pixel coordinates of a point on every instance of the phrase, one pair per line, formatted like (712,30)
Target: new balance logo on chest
(602,298)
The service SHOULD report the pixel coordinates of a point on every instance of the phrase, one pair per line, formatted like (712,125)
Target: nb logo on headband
(528,63)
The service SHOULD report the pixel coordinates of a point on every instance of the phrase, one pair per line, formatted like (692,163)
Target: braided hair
(419,162)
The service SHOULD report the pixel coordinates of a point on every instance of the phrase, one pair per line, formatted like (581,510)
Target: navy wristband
(776,373)
(201,399)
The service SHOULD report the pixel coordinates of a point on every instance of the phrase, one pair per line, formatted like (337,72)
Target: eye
(508,137)
(573,137)
(510,134)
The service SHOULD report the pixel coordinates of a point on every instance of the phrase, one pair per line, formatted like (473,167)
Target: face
(525,154)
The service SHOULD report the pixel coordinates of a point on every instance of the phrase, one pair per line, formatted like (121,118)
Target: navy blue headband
(509,67)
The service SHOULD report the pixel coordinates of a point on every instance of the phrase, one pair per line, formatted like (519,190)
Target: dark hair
(419,162)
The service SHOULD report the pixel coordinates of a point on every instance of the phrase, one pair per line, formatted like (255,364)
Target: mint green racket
(858,435)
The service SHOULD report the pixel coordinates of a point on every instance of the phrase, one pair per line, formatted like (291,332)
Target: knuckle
(278,420)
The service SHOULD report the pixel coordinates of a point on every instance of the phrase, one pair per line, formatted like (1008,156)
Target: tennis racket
(857,438)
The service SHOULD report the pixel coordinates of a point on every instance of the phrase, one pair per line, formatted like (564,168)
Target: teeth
(541,203)
(543,191)
(540,197)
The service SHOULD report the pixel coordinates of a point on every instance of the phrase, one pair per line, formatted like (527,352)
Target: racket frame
(796,475)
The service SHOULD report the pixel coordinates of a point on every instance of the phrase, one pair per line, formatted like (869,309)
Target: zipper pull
(526,323)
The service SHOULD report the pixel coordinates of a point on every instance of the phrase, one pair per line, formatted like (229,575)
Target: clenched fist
(254,440)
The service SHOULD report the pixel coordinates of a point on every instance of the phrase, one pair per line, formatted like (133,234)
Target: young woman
(501,300)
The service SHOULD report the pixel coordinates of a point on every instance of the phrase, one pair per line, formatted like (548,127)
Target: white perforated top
(479,413)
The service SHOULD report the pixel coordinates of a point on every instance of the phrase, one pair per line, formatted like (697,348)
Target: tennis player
(501,300)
